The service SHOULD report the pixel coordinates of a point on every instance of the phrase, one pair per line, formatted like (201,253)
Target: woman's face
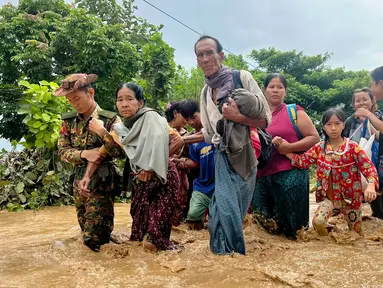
(127,104)
(275,91)
(178,121)
(362,100)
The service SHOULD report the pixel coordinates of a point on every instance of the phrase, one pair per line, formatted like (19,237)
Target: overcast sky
(351,29)
(347,28)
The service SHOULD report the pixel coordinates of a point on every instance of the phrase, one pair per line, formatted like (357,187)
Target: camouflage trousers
(95,215)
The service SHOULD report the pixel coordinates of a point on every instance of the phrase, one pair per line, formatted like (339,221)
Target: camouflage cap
(74,82)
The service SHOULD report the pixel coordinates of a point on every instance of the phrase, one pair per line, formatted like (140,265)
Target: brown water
(43,249)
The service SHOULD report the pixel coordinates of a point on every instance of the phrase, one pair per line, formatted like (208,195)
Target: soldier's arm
(65,150)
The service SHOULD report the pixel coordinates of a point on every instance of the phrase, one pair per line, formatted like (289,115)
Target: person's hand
(277,140)
(97,126)
(92,155)
(230,110)
(283,147)
(370,193)
(176,144)
(83,186)
(363,113)
(144,176)
(180,163)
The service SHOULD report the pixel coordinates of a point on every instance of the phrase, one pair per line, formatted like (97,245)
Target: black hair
(338,112)
(189,107)
(137,89)
(171,107)
(377,74)
(217,43)
(86,88)
(272,76)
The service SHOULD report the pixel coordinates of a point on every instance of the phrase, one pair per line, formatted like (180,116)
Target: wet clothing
(282,192)
(233,194)
(210,113)
(229,204)
(95,214)
(181,206)
(344,167)
(326,210)
(283,198)
(281,126)
(153,201)
(145,140)
(152,209)
(199,202)
(202,154)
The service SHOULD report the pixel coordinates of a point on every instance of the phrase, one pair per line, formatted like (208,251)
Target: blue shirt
(203,154)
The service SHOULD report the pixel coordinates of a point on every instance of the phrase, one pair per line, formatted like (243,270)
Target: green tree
(188,84)
(236,62)
(311,83)
(158,70)
(49,39)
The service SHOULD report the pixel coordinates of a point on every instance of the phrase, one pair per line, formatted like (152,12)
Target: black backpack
(264,137)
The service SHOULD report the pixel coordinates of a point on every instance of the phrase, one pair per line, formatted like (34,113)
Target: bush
(33,178)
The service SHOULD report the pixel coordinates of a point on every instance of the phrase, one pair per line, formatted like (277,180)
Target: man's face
(208,59)
(377,89)
(80,100)
(195,121)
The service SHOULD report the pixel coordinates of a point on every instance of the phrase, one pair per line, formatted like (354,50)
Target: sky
(347,28)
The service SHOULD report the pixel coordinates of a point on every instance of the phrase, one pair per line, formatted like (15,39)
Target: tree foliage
(187,84)
(49,39)
(32,178)
(42,111)
(311,83)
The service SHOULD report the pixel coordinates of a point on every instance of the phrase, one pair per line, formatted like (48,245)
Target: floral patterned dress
(344,166)
(339,186)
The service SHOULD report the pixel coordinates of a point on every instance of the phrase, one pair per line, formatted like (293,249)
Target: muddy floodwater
(43,249)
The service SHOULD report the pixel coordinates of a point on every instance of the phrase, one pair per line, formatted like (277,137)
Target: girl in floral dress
(339,163)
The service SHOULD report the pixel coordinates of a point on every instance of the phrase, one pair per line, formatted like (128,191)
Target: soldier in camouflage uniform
(78,146)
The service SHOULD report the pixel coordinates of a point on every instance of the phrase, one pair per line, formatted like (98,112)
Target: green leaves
(44,41)
(42,112)
(30,181)
(20,187)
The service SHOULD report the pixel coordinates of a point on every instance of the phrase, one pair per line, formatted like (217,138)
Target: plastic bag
(366,145)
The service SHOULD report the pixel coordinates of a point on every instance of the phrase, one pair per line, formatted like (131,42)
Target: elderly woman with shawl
(144,135)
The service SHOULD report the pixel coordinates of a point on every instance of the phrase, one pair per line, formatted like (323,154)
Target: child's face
(334,127)
(362,100)
(195,121)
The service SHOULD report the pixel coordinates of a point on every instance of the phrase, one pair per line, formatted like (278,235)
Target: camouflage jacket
(75,136)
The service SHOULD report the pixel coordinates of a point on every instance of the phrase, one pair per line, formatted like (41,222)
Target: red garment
(152,209)
(345,166)
(255,142)
(282,126)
